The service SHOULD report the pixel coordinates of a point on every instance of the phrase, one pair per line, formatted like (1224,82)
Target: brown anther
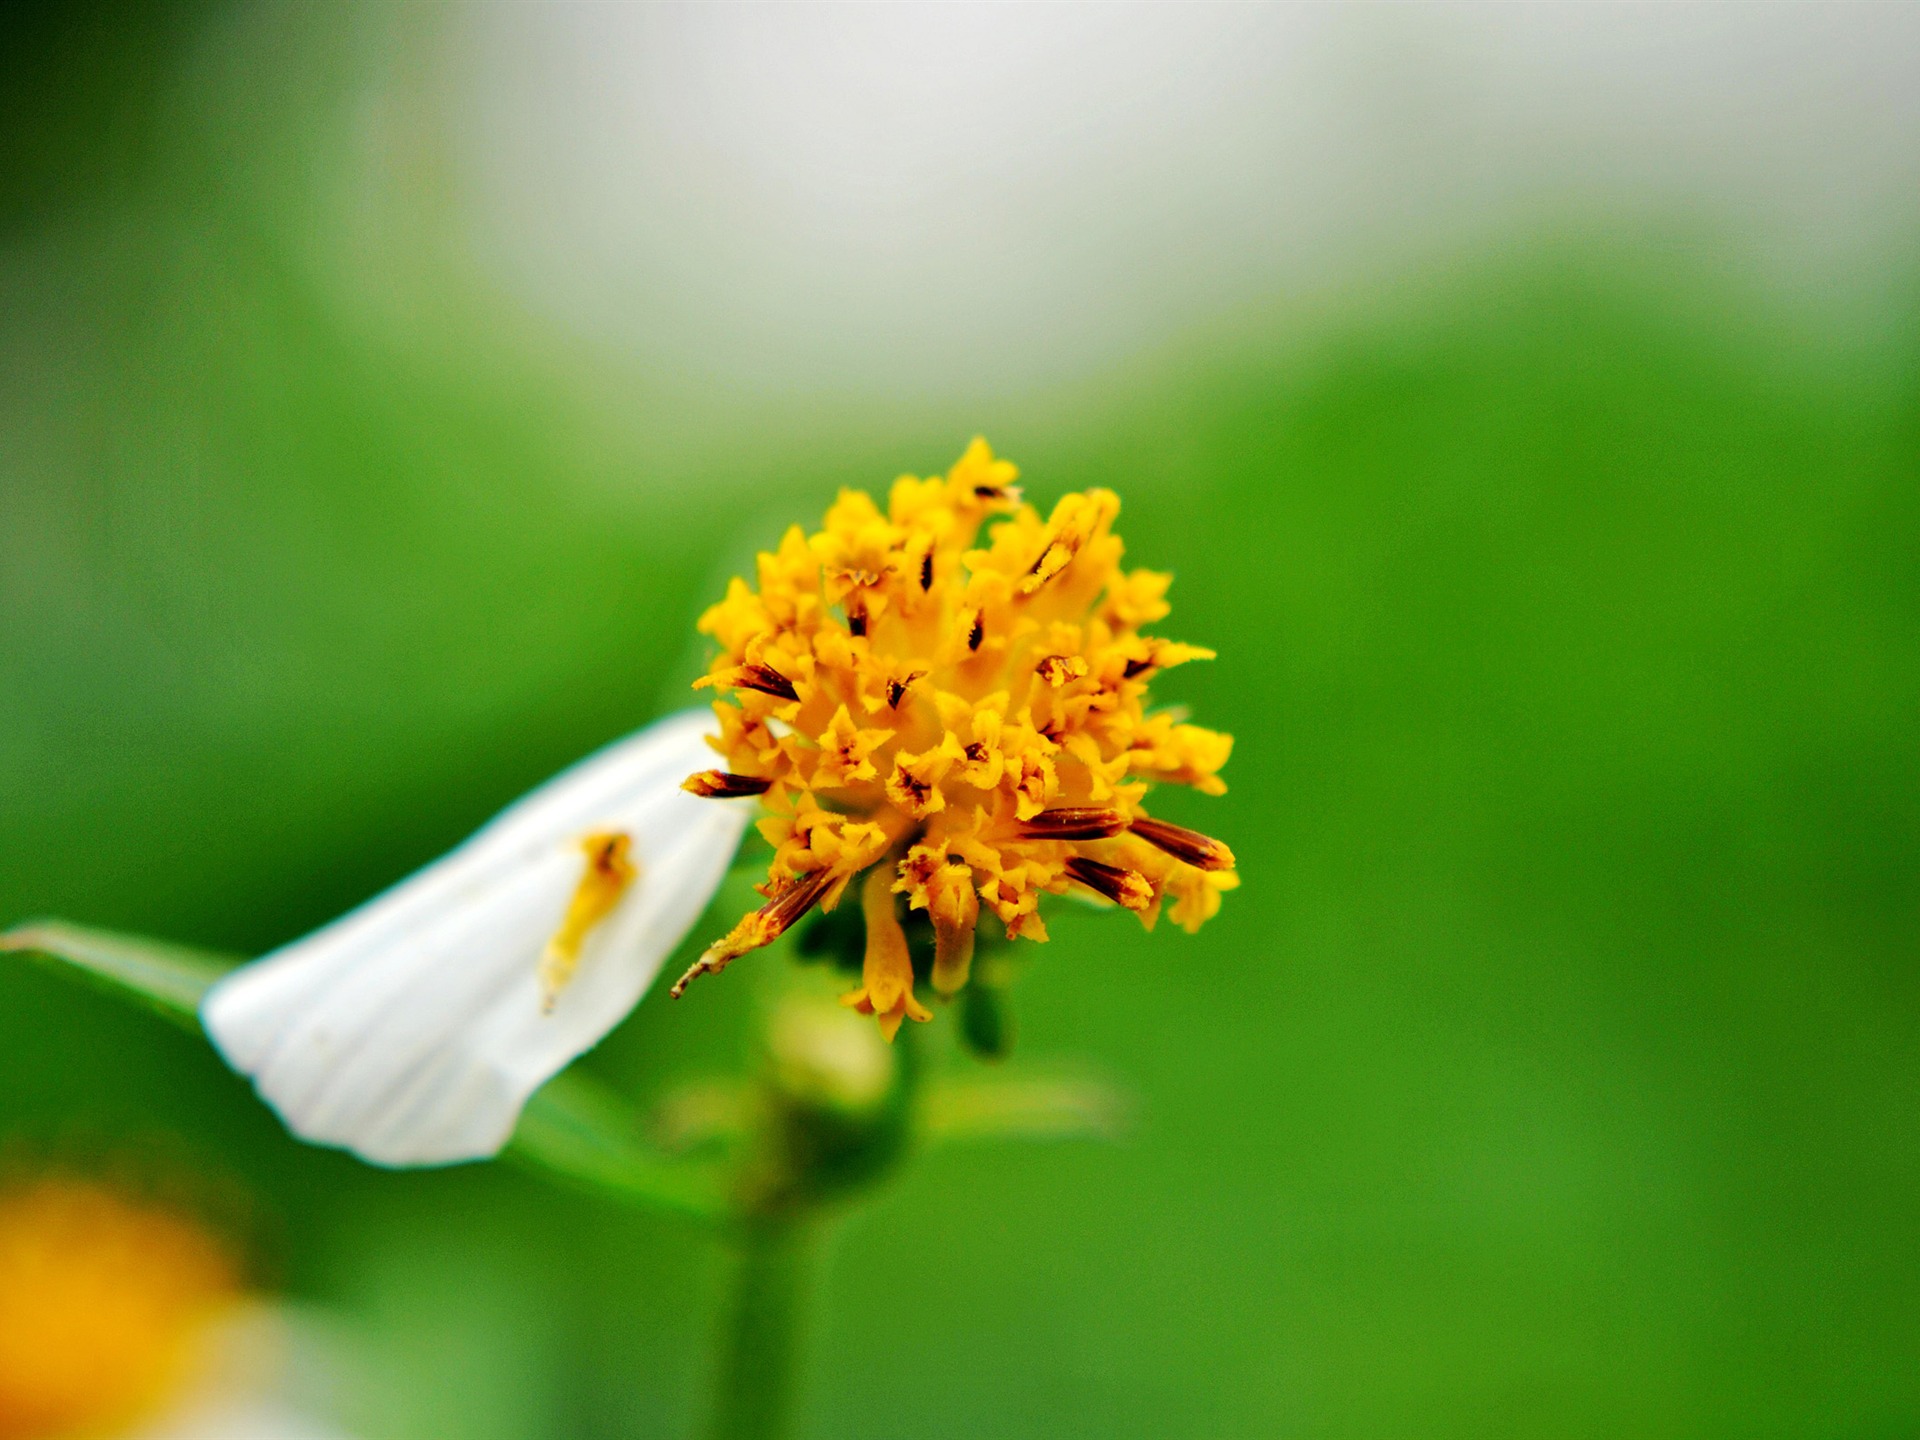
(1202,852)
(856,622)
(977,753)
(1074,822)
(763,926)
(978,632)
(926,571)
(897,689)
(764,678)
(723,785)
(1148,662)
(794,899)
(1123,887)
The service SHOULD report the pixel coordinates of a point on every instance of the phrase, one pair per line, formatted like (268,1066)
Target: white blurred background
(920,199)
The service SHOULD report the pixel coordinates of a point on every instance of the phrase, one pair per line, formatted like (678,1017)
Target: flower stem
(762,1330)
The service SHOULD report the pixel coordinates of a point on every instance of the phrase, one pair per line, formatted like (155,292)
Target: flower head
(962,717)
(123,1315)
(958,717)
(105,1306)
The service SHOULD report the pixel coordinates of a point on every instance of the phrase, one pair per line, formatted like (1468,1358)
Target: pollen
(104,1305)
(949,698)
(609,870)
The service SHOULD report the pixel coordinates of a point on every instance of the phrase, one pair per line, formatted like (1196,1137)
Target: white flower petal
(412,1030)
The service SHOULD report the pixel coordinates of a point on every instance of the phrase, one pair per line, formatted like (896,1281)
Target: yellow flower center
(102,1303)
(971,717)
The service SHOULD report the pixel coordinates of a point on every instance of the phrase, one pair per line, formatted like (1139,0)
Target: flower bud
(823,1056)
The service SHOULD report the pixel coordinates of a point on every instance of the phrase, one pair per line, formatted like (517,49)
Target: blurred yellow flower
(966,723)
(105,1306)
(122,1318)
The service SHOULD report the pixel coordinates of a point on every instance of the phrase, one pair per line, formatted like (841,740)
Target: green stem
(762,1330)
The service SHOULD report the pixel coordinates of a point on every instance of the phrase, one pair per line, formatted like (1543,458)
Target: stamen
(856,622)
(764,678)
(1202,852)
(897,689)
(609,872)
(1074,822)
(723,785)
(1057,670)
(979,630)
(1164,653)
(926,571)
(760,927)
(912,790)
(1128,888)
(1055,557)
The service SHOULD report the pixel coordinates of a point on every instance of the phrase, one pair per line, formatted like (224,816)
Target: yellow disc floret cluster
(963,718)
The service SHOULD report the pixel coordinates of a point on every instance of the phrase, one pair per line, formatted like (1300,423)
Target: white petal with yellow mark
(412,1030)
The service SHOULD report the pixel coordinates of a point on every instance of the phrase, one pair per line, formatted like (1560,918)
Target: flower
(964,723)
(102,1303)
(413,1030)
(123,1317)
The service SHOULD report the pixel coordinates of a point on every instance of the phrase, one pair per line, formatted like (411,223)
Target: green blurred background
(1552,1074)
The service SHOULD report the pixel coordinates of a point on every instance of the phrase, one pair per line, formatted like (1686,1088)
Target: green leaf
(573,1130)
(168,979)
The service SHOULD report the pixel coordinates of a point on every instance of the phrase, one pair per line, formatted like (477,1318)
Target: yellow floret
(962,716)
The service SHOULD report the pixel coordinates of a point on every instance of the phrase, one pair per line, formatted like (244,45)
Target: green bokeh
(1553,1072)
